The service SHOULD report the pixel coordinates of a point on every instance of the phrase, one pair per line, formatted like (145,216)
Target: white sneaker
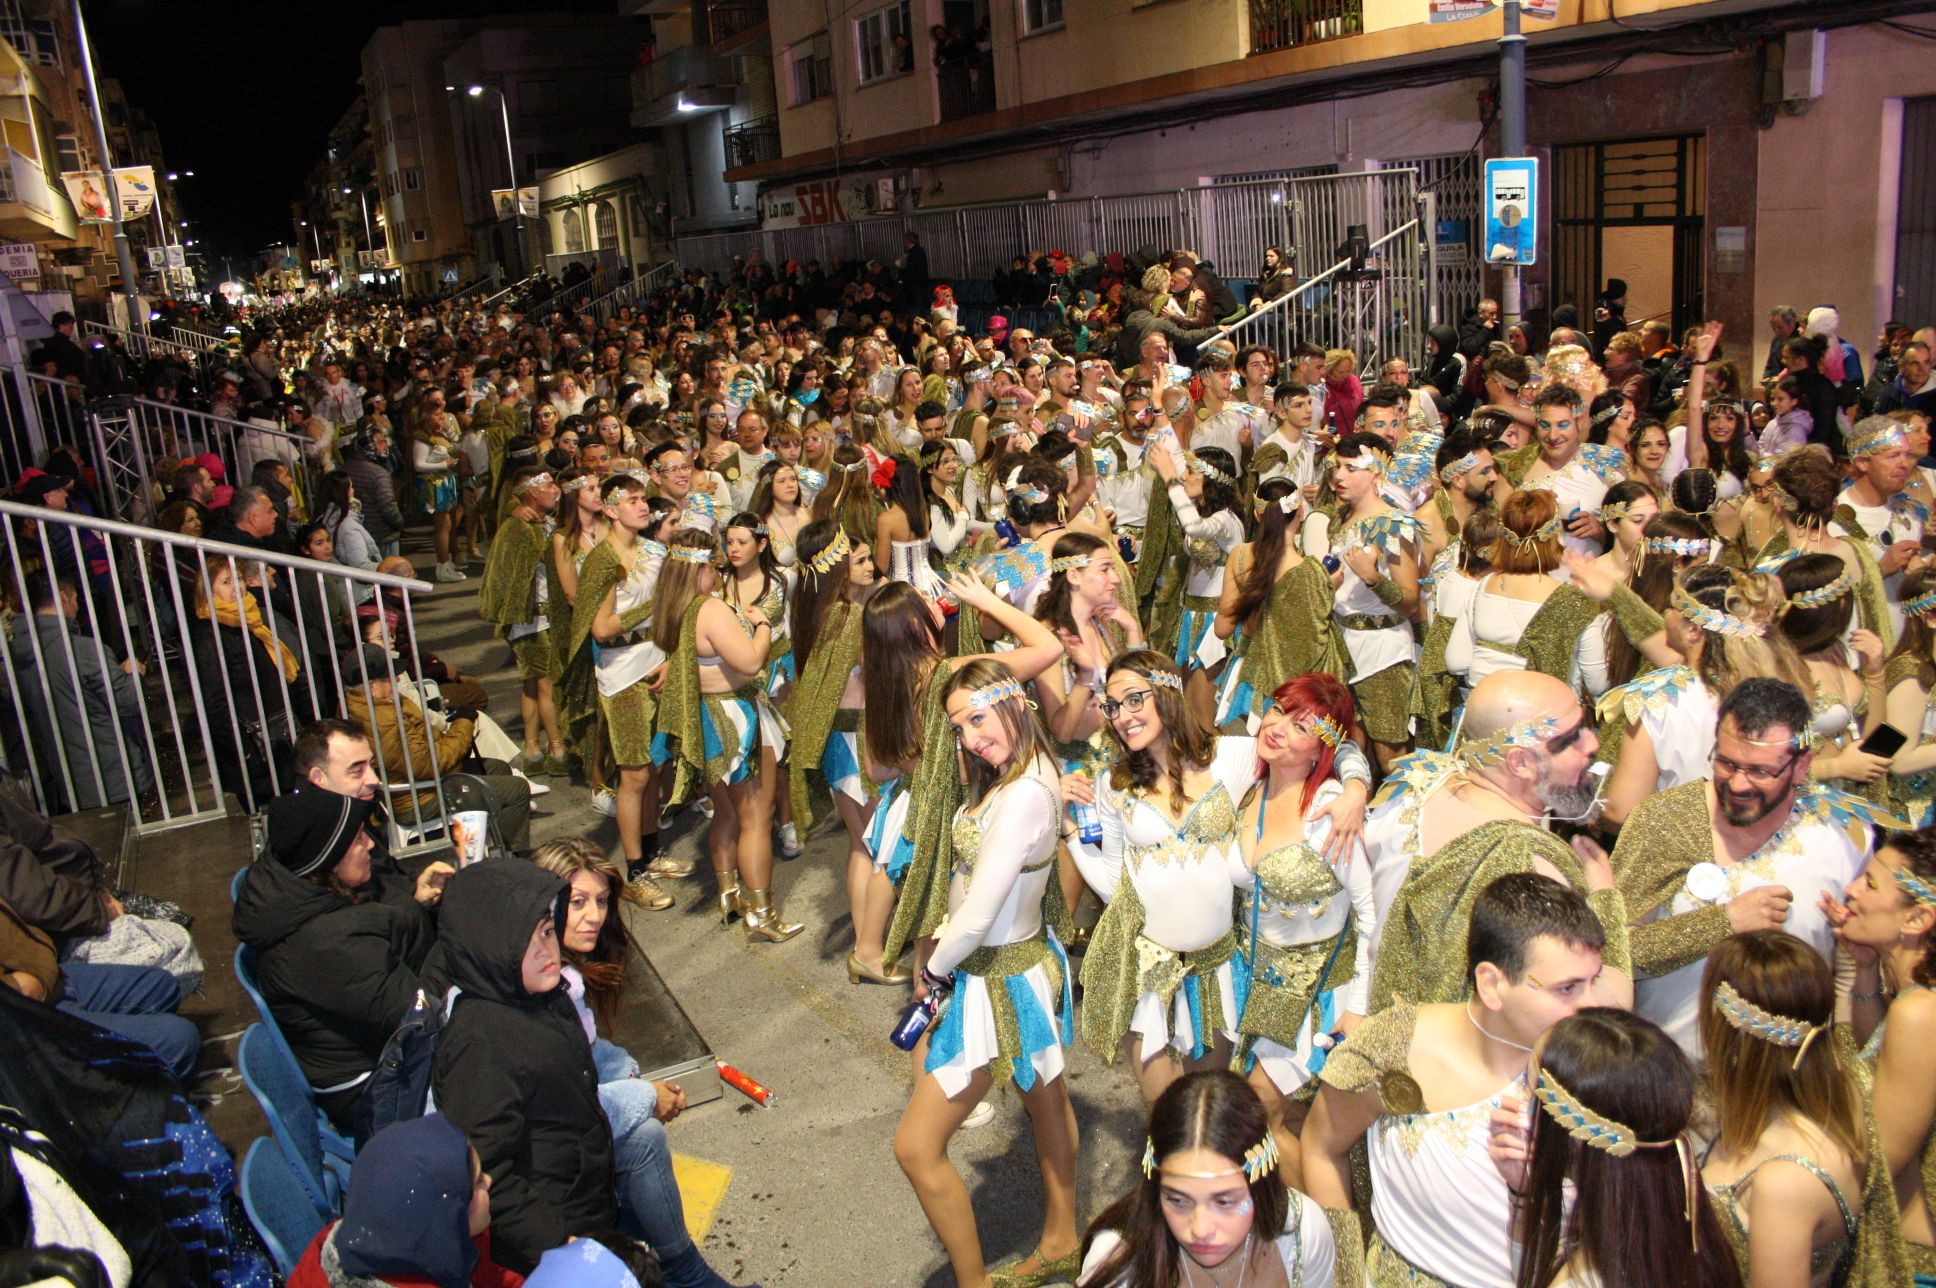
(605,801)
(537,789)
(790,846)
(981,1115)
(449,572)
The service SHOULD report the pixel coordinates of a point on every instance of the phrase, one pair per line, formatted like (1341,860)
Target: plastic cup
(467,832)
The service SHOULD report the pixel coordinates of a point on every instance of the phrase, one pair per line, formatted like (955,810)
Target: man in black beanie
(342,950)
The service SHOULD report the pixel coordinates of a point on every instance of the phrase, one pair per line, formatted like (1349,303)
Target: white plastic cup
(467,832)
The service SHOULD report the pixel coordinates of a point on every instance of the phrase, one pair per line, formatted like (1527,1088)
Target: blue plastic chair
(336,1146)
(278,1206)
(278,1086)
(235,883)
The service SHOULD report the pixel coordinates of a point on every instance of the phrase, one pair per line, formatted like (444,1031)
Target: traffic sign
(1512,223)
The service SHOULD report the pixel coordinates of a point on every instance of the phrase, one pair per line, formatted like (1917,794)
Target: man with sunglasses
(1444,826)
(1754,849)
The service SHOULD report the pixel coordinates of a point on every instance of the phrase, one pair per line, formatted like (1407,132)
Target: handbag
(398,1088)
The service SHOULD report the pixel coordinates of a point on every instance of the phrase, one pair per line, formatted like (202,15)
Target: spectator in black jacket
(1480,328)
(61,349)
(1802,357)
(1914,388)
(367,464)
(342,942)
(513,1068)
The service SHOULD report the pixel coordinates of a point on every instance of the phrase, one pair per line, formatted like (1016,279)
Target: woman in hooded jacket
(418,1215)
(1445,371)
(513,1068)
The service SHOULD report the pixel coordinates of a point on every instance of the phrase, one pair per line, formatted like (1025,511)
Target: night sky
(245,95)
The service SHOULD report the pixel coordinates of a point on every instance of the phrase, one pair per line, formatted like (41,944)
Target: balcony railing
(726,19)
(751,142)
(686,68)
(1281,24)
(21,180)
(967,86)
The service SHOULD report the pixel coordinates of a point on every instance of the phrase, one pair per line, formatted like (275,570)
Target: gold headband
(1464,465)
(1259,1160)
(1527,733)
(1166,680)
(1713,620)
(536,480)
(830,556)
(1617,1139)
(1001,690)
(690,554)
(1544,532)
(1069,564)
(1843,583)
(1752,1020)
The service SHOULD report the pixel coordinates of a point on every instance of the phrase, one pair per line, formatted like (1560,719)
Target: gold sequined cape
(937,794)
(1421,949)
(578,687)
(1162,564)
(1513,465)
(1881,1254)
(1434,694)
(1667,834)
(679,706)
(813,700)
(507,594)
(1297,634)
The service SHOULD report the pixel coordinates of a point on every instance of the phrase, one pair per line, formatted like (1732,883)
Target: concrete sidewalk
(816,1198)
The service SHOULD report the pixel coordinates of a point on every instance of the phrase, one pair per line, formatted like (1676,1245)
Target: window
(412,179)
(34,39)
(1041,15)
(419,235)
(813,71)
(574,233)
(67,149)
(884,43)
(605,224)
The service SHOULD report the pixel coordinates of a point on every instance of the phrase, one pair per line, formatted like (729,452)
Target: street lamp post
(510,160)
(123,251)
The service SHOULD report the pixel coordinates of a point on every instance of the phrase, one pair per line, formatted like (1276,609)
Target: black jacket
(514,1069)
(338,976)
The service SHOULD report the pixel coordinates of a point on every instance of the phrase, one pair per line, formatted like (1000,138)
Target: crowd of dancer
(1462,801)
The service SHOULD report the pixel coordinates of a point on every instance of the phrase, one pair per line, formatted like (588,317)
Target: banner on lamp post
(177,257)
(135,186)
(528,202)
(157,258)
(504,202)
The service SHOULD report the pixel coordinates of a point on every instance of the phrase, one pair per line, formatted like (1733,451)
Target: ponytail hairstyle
(1192,740)
(818,592)
(1478,539)
(1810,628)
(1753,1078)
(1056,607)
(1039,494)
(1018,718)
(1726,660)
(1274,529)
(1213,1111)
(1623,1070)
(868,427)
(1529,538)
(1308,697)
(678,586)
(900,642)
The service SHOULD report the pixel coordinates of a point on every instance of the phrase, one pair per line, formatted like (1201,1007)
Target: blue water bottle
(1088,823)
(1006,531)
(914,1022)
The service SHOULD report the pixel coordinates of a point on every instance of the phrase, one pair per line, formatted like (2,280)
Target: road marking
(702,1188)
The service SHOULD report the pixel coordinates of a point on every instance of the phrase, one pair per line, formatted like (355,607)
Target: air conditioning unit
(1804,60)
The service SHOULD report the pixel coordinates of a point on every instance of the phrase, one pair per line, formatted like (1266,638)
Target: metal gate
(1629,184)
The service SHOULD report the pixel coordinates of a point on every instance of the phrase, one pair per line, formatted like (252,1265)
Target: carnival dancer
(582,525)
(1276,604)
(514,597)
(1561,461)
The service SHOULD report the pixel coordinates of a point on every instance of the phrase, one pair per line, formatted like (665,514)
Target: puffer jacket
(513,1068)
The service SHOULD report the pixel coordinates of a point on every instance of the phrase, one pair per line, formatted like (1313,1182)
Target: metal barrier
(491,301)
(161,671)
(140,440)
(605,306)
(200,341)
(569,297)
(1378,314)
(1229,225)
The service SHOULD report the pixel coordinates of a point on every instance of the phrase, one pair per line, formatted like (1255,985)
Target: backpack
(398,1089)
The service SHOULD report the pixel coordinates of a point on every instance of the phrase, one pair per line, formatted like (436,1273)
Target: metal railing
(1378,312)
(569,297)
(482,282)
(200,341)
(140,344)
(1229,225)
(602,308)
(966,86)
(751,142)
(137,443)
(161,671)
(728,18)
(491,301)
(1280,24)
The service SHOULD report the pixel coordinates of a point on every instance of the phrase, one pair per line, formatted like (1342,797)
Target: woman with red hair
(1306,925)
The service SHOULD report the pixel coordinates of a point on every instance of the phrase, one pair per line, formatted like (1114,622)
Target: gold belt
(1368,622)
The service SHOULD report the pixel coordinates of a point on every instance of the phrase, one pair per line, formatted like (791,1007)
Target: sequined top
(1208,542)
(1180,869)
(1004,860)
(1727,1202)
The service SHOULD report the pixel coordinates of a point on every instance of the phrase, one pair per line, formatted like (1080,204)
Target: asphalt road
(816,1199)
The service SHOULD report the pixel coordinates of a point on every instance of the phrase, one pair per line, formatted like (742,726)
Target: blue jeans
(137,1002)
(649,1205)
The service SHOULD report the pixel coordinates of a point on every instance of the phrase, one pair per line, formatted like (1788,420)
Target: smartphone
(1885,741)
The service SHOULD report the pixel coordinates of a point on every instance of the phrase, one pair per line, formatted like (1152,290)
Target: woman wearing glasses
(1161,978)
(1306,924)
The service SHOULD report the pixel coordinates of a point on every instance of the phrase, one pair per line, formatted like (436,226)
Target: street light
(510,159)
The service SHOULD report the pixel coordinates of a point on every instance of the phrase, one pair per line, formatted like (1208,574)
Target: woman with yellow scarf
(246,667)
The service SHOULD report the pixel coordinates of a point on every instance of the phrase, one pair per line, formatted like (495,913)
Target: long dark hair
(1652,579)
(1212,1110)
(818,592)
(336,490)
(1625,1069)
(899,642)
(1813,629)
(1217,496)
(1731,457)
(754,526)
(603,968)
(906,490)
(848,497)
(1192,741)
(1054,609)
(1266,550)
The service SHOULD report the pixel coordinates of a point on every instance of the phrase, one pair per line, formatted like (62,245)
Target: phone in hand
(1885,741)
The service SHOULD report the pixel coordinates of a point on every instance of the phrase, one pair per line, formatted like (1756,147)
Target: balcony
(734,25)
(966,85)
(686,81)
(751,142)
(1282,24)
(31,208)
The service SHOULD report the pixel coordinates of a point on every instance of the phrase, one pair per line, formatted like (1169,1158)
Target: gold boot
(730,902)
(763,919)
